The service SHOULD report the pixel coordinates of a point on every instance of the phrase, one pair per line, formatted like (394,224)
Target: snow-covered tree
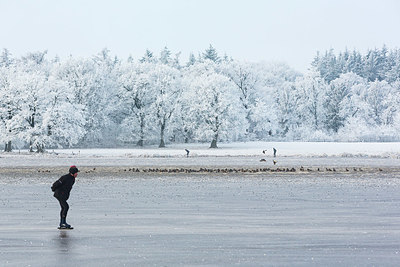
(33,107)
(312,90)
(270,114)
(62,121)
(27,95)
(135,100)
(354,63)
(338,105)
(148,57)
(79,75)
(211,54)
(287,102)
(327,65)
(216,107)
(165,56)
(186,119)
(355,129)
(100,103)
(381,100)
(246,78)
(5,58)
(94,88)
(10,118)
(374,62)
(393,67)
(166,84)
(101,99)
(192,60)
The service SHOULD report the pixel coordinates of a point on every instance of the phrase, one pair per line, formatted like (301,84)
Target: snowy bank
(284,149)
(234,155)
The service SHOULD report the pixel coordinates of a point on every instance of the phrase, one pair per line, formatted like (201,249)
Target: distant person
(187,152)
(274,152)
(61,188)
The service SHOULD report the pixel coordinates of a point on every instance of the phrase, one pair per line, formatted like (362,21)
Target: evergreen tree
(5,59)
(375,65)
(372,65)
(165,56)
(354,63)
(327,65)
(148,57)
(338,105)
(393,66)
(211,54)
(192,60)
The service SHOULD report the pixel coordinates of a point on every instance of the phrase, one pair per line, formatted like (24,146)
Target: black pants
(64,207)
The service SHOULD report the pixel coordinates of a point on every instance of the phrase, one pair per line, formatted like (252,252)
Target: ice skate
(65,226)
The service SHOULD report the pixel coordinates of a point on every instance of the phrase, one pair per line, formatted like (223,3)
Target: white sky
(256,30)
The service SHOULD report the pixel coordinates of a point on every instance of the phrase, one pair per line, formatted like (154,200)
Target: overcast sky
(254,30)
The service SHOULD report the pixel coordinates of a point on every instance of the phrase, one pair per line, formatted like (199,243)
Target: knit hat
(73,169)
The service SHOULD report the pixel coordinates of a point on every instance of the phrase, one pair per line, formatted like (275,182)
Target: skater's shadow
(64,242)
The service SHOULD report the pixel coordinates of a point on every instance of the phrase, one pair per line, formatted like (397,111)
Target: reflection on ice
(63,242)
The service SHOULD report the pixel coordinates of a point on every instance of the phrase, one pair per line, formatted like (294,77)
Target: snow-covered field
(209,219)
(285,149)
(236,155)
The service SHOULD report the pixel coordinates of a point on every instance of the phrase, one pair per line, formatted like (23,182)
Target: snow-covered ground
(235,155)
(307,149)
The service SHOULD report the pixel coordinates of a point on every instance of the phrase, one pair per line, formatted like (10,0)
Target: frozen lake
(341,206)
(137,219)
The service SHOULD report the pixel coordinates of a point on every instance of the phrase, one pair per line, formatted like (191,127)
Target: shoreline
(235,158)
(125,170)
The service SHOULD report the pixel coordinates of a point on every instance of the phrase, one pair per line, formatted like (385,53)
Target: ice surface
(249,220)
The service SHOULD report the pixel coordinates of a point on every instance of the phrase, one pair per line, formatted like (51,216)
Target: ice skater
(187,152)
(61,188)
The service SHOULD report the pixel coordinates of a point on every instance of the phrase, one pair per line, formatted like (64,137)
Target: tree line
(105,101)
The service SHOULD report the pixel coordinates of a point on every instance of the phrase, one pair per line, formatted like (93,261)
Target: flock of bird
(239,170)
(226,170)
(231,170)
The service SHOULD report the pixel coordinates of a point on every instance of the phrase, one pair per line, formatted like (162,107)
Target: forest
(106,101)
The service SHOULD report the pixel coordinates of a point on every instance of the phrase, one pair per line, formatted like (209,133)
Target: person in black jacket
(61,188)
